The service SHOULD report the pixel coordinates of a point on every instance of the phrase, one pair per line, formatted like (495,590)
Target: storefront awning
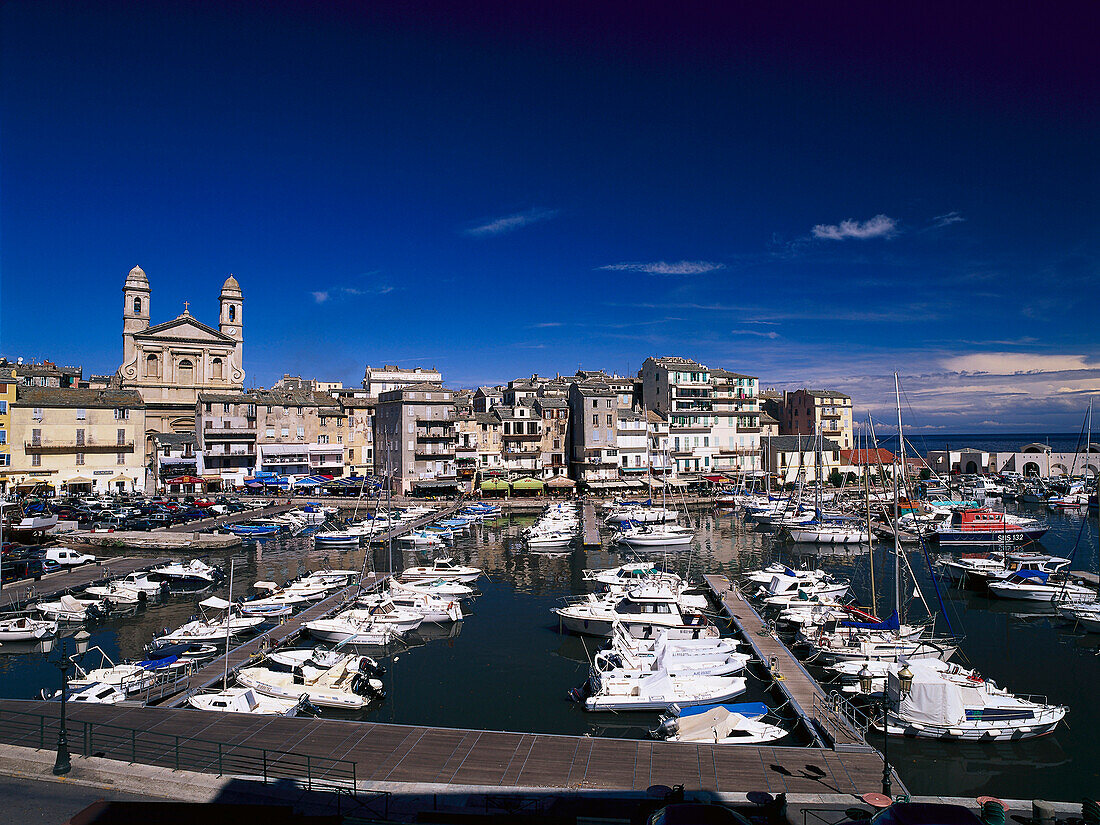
(561,482)
(528,484)
(79,480)
(491,485)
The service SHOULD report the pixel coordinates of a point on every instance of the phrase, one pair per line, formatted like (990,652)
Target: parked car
(68,557)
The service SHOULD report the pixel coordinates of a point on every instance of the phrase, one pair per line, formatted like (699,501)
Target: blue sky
(809,194)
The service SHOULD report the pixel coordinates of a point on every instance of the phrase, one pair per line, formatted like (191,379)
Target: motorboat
(670,660)
(723,724)
(782,590)
(633,690)
(430,607)
(439,587)
(625,574)
(442,568)
(1037,586)
(982,527)
(643,611)
(960,705)
(350,631)
(71,610)
(339,540)
(340,686)
(247,700)
(211,629)
(644,513)
(382,610)
(848,531)
(26,629)
(422,538)
(195,573)
(654,535)
(98,693)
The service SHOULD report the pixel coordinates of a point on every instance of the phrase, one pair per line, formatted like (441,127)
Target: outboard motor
(370,667)
(668,727)
(578,694)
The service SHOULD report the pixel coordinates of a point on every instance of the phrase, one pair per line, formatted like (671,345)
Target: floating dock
(18,594)
(590,531)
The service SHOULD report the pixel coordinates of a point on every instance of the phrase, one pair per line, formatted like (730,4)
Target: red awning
(185,480)
(716,479)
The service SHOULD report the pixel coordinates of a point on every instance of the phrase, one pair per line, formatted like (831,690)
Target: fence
(179,752)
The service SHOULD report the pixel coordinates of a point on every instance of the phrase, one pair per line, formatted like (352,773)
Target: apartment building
(359,443)
(804,412)
(680,389)
(521,435)
(300,433)
(736,430)
(554,447)
(485,398)
(415,437)
(8,379)
(632,442)
(593,413)
(377,380)
(77,440)
(174,455)
(623,387)
(42,373)
(225,437)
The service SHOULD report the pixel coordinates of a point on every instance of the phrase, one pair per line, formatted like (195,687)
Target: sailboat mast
(897,528)
(228,618)
(867,499)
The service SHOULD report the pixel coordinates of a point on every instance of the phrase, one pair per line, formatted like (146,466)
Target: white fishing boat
(625,574)
(725,724)
(643,611)
(442,568)
(246,700)
(341,686)
(26,629)
(930,704)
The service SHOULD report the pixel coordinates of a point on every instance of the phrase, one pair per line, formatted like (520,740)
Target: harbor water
(508,667)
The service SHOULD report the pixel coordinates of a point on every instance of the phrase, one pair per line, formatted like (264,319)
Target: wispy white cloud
(947,220)
(880,226)
(666,267)
(755,332)
(509,223)
(1015,363)
(546,325)
(320,297)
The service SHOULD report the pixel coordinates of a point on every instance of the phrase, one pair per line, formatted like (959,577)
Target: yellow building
(7,397)
(77,440)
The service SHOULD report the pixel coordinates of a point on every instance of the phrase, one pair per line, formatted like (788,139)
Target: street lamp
(867,686)
(65,652)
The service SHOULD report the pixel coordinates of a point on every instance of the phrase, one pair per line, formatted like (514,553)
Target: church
(171,363)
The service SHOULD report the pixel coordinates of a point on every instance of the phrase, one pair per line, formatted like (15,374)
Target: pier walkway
(395,533)
(365,753)
(590,535)
(232,518)
(283,633)
(791,680)
(16,595)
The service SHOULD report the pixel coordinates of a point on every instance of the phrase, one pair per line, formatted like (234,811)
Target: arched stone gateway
(971,468)
(1059,470)
(1031,469)
(1092,470)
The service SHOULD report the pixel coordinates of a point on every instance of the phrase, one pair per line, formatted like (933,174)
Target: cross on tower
(186,304)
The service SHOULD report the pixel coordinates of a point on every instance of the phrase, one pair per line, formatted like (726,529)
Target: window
(339,439)
(301,432)
(36,437)
(185,371)
(121,437)
(81,415)
(3,404)
(152,366)
(299,410)
(609,421)
(36,414)
(80,437)
(36,460)
(322,439)
(3,436)
(80,458)
(595,403)
(286,432)
(596,420)
(5,460)
(137,306)
(232,313)
(122,414)
(120,458)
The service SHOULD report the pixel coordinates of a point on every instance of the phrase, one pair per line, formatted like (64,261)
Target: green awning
(493,486)
(528,484)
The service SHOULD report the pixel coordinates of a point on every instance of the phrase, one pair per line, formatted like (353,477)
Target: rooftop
(82,399)
(804,443)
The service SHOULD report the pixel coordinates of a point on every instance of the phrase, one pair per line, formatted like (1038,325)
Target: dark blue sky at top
(504,188)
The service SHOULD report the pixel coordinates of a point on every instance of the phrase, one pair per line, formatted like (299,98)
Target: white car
(68,557)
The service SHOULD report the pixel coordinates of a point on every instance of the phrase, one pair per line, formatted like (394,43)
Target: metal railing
(179,752)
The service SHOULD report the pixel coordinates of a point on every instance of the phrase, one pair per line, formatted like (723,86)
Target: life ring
(974,678)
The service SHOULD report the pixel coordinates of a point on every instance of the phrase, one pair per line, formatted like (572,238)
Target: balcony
(62,448)
(828,416)
(442,423)
(432,455)
(521,437)
(228,433)
(748,430)
(433,438)
(832,432)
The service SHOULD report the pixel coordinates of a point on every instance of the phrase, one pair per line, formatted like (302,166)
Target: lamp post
(866,685)
(65,651)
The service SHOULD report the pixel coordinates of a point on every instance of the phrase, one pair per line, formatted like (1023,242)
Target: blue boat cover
(1039,575)
(750,709)
(890,623)
(157,664)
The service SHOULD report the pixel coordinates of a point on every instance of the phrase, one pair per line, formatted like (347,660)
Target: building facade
(377,380)
(414,438)
(681,390)
(8,379)
(170,363)
(805,412)
(225,433)
(79,441)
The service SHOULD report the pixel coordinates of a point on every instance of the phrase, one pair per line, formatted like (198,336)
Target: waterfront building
(77,440)
(174,455)
(414,435)
(170,363)
(225,435)
(466,447)
(485,398)
(736,430)
(791,457)
(769,426)
(593,413)
(300,433)
(520,433)
(1035,460)
(805,412)
(359,413)
(8,379)
(624,388)
(866,462)
(681,390)
(632,443)
(554,446)
(377,380)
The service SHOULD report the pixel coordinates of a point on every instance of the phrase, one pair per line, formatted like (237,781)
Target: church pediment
(184,328)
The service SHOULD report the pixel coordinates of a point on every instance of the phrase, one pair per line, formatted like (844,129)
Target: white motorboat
(381,610)
(440,587)
(783,589)
(25,629)
(961,705)
(443,568)
(725,724)
(642,513)
(349,631)
(422,538)
(211,629)
(340,686)
(629,690)
(656,535)
(765,575)
(246,700)
(430,607)
(70,610)
(196,573)
(1037,586)
(625,574)
(643,611)
(668,660)
(98,693)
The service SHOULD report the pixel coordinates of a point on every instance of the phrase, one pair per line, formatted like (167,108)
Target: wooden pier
(590,535)
(185,739)
(1086,576)
(18,594)
(283,633)
(789,678)
(395,533)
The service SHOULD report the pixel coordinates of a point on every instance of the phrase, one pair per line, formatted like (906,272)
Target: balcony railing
(89,446)
(522,437)
(432,455)
(233,433)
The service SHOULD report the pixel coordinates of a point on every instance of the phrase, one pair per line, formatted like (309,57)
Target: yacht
(443,568)
(636,690)
(643,611)
(195,573)
(346,630)
(1037,586)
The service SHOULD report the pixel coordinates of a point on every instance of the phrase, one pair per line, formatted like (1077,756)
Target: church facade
(170,363)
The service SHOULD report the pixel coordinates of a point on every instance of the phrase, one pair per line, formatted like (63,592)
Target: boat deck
(281,634)
(19,594)
(590,532)
(182,738)
(790,678)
